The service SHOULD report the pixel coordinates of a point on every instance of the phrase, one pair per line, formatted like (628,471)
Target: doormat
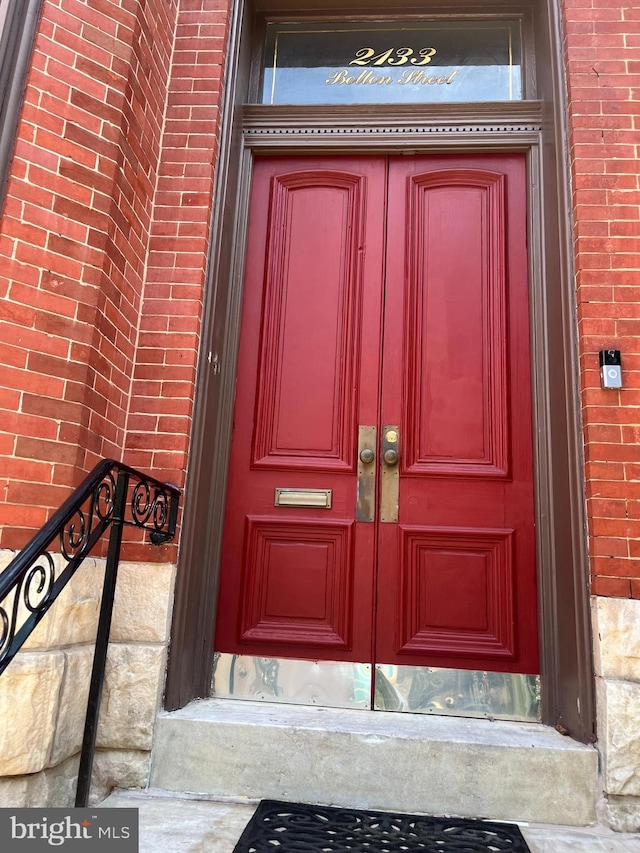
(299,828)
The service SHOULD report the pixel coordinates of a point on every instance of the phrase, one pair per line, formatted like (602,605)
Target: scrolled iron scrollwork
(75,534)
(5,630)
(161,510)
(78,533)
(142,503)
(151,509)
(104,497)
(38,582)
(29,597)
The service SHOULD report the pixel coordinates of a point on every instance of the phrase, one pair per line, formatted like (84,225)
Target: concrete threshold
(181,824)
(361,759)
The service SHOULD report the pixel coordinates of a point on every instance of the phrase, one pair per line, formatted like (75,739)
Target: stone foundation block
(118,768)
(616,629)
(5,558)
(73,617)
(619,736)
(130,696)
(55,787)
(142,609)
(623,814)
(29,701)
(23,791)
(73,704)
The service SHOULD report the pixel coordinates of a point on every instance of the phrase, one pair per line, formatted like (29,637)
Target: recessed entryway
(513,127)
(380,506)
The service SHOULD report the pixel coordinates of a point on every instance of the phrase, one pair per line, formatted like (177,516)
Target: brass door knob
(391,457)
(367,456)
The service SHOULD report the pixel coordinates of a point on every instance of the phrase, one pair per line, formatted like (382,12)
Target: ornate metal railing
(112,496)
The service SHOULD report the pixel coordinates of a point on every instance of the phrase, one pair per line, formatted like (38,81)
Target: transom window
(407,62)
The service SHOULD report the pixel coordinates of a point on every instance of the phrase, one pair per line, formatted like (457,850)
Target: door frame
(536,128)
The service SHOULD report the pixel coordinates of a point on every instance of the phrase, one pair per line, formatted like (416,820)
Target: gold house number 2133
(393,56)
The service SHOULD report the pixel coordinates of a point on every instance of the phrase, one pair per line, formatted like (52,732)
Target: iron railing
(112,496)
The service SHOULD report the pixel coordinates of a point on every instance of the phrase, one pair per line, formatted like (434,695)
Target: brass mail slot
(320,498)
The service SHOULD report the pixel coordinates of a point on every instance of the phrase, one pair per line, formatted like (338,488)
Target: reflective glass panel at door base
(413,689)
(327,684)
(407,62)
(457,692)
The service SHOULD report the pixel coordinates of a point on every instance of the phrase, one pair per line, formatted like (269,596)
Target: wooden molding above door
(514,124)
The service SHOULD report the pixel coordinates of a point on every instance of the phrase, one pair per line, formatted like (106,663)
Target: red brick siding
(161,407)
(162,401)
(90,281)
(602,49)
(104,241)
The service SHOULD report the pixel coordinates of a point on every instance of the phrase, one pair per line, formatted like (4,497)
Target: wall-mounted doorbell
(610,368)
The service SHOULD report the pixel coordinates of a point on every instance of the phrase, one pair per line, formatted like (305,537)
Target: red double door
(385,309)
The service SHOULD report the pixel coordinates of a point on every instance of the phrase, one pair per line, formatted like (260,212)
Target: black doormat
(278,827)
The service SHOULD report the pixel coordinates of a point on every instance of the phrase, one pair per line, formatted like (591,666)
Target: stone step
(174,824)
(179,824)
(368,759)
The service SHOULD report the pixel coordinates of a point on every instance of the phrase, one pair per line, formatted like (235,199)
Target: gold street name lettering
(418,77)
(414,76)
(344,78)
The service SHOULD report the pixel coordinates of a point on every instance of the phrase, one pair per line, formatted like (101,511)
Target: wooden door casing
(436,247)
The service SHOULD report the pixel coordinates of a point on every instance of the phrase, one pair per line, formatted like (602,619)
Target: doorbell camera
(610,368)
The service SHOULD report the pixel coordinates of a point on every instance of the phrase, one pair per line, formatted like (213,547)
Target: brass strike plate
(366,488)
(390,475)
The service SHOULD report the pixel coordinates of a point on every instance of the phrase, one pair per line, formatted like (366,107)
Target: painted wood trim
(190,660)
(16,47)
(268,128)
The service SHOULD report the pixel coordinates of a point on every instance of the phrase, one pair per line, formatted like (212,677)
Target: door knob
(367,456)
(391,457)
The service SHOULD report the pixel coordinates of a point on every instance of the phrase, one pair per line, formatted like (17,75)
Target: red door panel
(307,412)
(455,323)
(456,576)
(455,593)
(384,291)
(297,581)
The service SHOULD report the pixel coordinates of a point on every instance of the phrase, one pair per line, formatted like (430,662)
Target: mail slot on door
(319,498)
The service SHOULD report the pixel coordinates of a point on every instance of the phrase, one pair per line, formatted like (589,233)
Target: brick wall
(104,237)
(602,48)
(103,246)
(161,405)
